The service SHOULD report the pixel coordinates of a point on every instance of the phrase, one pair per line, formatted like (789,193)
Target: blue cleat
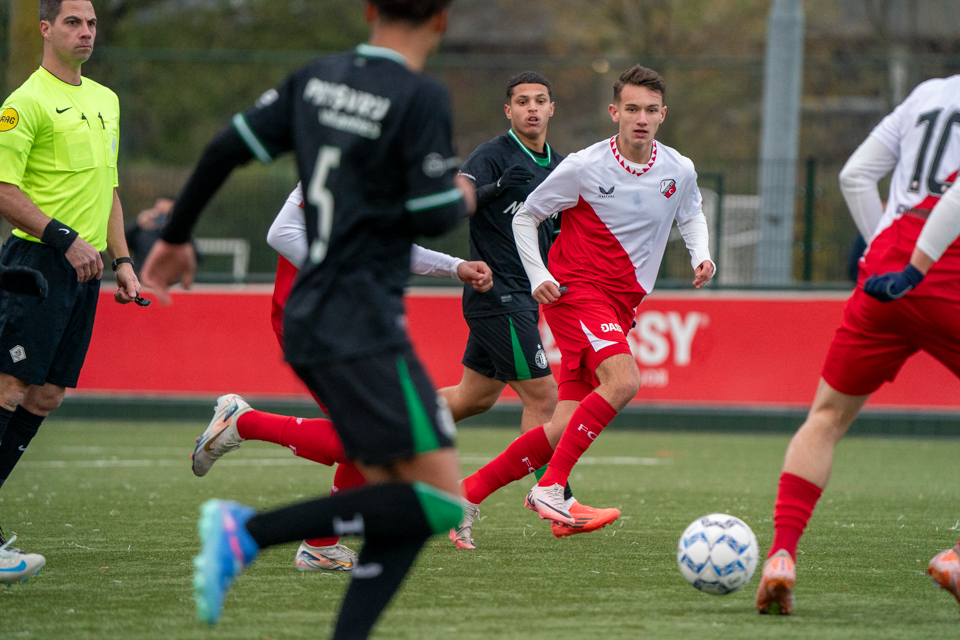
(226,550)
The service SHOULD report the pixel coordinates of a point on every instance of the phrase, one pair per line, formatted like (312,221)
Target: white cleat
(463,534)
(221,435)
(549,504)
(335,557)
(17,566)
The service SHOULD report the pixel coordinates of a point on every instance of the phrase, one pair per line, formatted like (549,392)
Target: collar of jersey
(370,51)
(632,167)
(543,162)
(49,75)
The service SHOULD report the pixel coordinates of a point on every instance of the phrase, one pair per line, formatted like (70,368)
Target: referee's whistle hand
(167,264)
(128,286)
(85,259)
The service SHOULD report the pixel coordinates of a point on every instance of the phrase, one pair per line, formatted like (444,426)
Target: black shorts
(506,347)
(46,341)
(383,406)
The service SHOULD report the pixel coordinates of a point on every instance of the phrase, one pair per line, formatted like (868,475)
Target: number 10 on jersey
(319,196)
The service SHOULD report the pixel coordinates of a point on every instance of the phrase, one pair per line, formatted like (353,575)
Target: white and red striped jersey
(617,217)
(924,134)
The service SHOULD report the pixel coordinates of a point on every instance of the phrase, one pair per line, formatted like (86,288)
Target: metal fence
(173,101)
(824,233)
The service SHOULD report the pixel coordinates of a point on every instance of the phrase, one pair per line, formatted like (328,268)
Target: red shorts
(286,275)
(587,332)
(875,339)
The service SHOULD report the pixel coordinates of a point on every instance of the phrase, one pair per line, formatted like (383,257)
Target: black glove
(894,285)
(515,176)
(23,280)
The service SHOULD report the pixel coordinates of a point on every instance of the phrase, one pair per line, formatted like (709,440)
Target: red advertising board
(698,348)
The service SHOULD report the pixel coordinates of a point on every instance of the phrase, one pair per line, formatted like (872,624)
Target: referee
(58,179)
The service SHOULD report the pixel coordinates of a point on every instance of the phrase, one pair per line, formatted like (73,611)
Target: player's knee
(442,510)
(829,420)
(12,392)
(625,389)
(43,400)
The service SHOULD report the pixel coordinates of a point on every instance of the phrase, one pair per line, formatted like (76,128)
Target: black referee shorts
(506,347)
(383,406)
(45,341)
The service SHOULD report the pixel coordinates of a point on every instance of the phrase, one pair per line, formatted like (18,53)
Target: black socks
(20,429)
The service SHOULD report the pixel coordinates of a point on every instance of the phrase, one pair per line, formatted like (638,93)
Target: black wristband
(120,261)
(58,235)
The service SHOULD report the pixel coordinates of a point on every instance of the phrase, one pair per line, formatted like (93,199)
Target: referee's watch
(120,261)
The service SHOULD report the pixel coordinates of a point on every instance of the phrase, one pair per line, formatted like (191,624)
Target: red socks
(346,477)
(586,423)
(313,439)
(796,499)
(525,455)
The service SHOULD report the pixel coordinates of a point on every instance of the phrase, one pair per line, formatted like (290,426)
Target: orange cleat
(775,594)
(587,519)
(945,570)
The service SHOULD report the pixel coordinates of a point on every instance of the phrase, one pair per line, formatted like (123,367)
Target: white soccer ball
(717,554)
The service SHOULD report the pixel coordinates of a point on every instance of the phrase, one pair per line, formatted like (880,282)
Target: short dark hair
(527,77)
(413,11)
(50,9)
(642,77)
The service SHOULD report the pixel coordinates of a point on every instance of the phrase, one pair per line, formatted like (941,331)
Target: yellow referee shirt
(58,144)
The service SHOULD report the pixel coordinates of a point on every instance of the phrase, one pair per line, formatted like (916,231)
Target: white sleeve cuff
(528,246)
(426,262)
(696,236)
(943,226)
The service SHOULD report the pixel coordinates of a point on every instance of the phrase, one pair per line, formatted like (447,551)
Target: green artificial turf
(113,507)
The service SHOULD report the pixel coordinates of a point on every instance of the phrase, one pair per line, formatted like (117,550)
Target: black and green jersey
(373,148)
(491,227)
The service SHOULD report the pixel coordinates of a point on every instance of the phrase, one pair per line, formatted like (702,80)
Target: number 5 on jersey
(319,196)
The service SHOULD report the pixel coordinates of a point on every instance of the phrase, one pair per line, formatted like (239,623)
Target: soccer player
(58,188)
(504,346)
(372,141)
(907,299)
(620,198)
(314,439)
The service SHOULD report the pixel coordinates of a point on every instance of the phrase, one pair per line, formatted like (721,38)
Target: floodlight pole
(782,80)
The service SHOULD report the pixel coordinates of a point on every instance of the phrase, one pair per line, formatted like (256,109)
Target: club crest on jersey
(668,187)
(541,358)
(607,193)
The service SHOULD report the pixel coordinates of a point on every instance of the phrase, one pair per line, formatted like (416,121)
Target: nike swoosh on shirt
(19,567)
(22,448)
(64,110)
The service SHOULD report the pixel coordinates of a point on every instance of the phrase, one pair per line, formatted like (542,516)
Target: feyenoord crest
(541,358)
(18,353)
(668,187)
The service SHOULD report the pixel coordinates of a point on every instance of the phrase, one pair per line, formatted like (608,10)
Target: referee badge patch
(9,119)
(18,353)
